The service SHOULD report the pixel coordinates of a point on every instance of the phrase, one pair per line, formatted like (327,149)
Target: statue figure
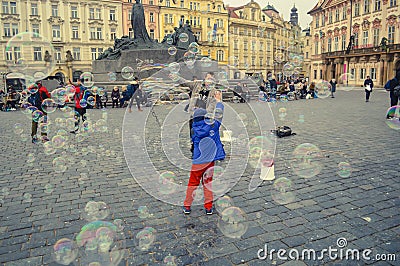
(138,24)
(69,56)
(47,56)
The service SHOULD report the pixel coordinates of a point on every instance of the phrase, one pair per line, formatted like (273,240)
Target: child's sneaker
(34,140)
(209,211)
(45,139)
(186,210)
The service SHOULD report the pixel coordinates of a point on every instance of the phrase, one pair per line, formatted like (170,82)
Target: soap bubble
(145,238)
(37,115)
(345,79)
(193,48)
(83,103)
(48,188)
(170,40)
(344,169)
(30,158)
(27,197)
(49,105)
(91,100)
(233,222)
(288,69)
(206,62)
(172,50)
(127,72)
(174,67)
(143,212)
(393,117)
(18,128)
(58,141)
(306,160)
(65,251)
(88,79)
(282,191)
(112,76)
(49,148)
(183,37)
(279,57)
(215,180)
(169,261)
(222,203)
(59,165)
(96,210)
(167,183)
(323,89)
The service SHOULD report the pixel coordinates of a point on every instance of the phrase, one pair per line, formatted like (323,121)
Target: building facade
(286,39)
(374,49)
(85,28)
(208,20)
(250,40)
(306,40)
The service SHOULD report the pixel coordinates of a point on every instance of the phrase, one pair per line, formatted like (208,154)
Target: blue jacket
(206,139)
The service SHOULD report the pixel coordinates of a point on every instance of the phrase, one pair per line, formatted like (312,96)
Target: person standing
(138,96)
(115,97)
(368,84)
(333,83)
(390,85)
(208,148)
(80,107)
(36,99)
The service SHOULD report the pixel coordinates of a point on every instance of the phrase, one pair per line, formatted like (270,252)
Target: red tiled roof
(232,13)
(315,8)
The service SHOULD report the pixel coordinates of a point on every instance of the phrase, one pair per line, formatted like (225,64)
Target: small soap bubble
(233,222)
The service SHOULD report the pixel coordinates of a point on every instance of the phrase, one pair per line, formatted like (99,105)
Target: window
(245,45)
(7,29)
(365,38)
(329,45)
(94,53)
(352,73)
(306,55)
(113,33)
(344,42)
(76,53)
(91,13)
(261,46)
(35,30)
(356,39)
(377,5)
(112,14)
(13,7)
(253,61)
(316,48)
(56,32)
(151,2)
(182,19)
(54,10)
(235,45)
(337,15)
(99,51)
(130,33)
(253,46)
(315,74)
(268,47)
(99,34)
(9,55)
(14,29)
(373,73)
(57,53)
(92,33)
(37,53)
(376,37)
(320,73)
(16,51)
(356,9)
(391,34)
(330,17)
(74,12)
(182,4)
(167,3)
(75,32)
(151,17)
(366,6)
(166,18)
(323,20)
(130,15)
(152,34)
(317,21)
(98,13)
(170,19)
(344,13)
(363,73)
(34,9)
(208,22)
(336,45)
(392,3)
(5,8)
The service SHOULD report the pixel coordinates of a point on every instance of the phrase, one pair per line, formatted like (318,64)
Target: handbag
(368,87)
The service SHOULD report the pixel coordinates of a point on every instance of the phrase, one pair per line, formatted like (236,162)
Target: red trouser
(196,175)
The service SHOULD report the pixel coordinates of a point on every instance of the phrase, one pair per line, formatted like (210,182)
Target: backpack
(35,99)
(283,131)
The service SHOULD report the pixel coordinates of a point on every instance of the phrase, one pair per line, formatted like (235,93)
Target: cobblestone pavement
(362,208)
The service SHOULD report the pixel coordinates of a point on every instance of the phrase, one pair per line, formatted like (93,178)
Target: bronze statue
(138,24)
(69,57)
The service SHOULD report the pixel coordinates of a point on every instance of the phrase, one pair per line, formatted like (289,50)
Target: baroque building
(353,39)
(84,28)
(250,40)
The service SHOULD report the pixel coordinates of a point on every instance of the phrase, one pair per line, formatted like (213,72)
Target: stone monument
(139,50)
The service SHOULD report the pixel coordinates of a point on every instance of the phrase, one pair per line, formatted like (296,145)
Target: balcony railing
(362,51)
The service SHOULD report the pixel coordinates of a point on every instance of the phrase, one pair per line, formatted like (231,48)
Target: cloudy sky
(283,6)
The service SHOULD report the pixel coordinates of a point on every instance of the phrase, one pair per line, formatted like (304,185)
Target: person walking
(208,148)
(138,96)
(80,107)
(368,84)
(115,97)
(36,99)
(333,83)
(390,87)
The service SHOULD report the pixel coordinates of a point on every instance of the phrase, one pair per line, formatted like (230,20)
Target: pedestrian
(2,100)
(333,83)
(368,84)
(36,99)
(104,100)
(207,149)
(138,96)
(80,107)
(390,86)
(115,97)
(125,96)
